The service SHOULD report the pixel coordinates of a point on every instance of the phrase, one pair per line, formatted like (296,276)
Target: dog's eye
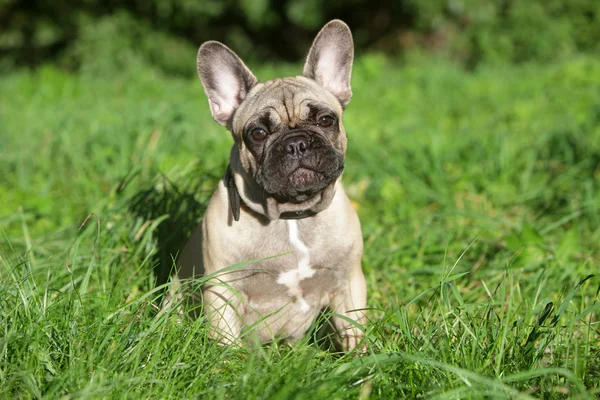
(258,133)
(325,121)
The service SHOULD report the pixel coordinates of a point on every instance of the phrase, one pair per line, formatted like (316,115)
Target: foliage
(478,194)
(167,32)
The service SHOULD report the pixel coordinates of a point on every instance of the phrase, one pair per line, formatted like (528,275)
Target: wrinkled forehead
(285,100)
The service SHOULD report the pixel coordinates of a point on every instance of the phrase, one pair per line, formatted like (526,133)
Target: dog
(281,201)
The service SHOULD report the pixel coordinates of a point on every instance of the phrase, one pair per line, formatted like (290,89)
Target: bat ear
(329,61)
(225,78)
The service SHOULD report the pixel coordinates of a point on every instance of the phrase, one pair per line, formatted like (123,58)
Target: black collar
(234,196)
(297,214)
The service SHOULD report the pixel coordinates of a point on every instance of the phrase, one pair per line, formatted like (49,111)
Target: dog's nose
(296,146)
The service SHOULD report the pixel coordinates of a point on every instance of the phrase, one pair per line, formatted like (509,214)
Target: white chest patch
(293,277)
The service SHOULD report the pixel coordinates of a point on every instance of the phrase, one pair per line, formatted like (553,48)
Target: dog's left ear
(329,61)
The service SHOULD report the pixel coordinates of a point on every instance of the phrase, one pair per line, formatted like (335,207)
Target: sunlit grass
(479,198)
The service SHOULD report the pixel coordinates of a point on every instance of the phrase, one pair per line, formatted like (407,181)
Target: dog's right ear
(225,78)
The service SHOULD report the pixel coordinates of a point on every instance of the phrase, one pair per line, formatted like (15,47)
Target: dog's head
(288,132)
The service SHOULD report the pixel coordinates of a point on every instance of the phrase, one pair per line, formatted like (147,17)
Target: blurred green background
(104,35)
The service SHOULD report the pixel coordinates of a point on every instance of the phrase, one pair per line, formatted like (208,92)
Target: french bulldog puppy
(281,200)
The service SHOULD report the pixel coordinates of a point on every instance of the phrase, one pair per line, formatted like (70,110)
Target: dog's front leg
(223,307)
(350,302)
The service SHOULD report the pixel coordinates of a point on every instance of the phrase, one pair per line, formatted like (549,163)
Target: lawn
(478,192)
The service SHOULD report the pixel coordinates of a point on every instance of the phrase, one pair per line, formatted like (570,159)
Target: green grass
(479,195)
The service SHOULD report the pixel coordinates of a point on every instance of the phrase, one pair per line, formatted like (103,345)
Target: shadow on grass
(182,202)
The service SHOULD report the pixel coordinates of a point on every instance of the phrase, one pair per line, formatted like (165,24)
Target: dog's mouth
(303,176)
(301,184)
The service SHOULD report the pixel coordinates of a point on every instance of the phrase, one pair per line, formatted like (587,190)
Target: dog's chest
(297,278)
(284,293)
(305,269)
